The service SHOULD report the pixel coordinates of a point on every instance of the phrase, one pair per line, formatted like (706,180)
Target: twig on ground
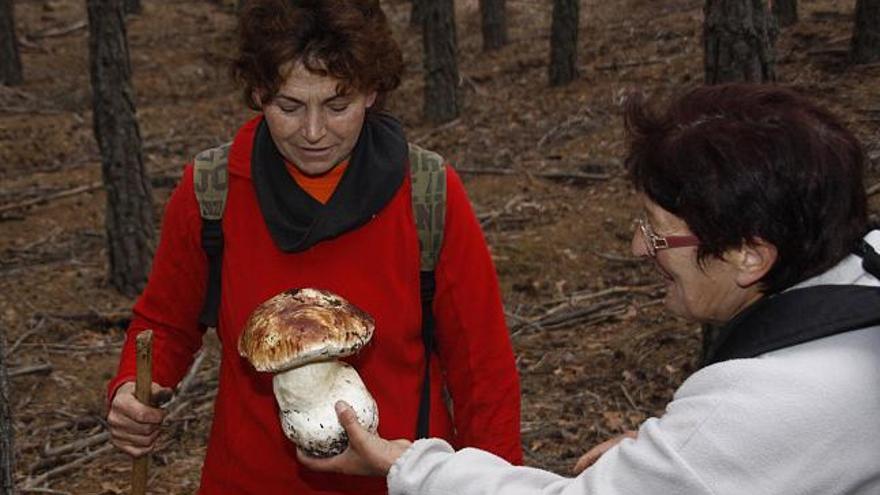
(622,65)
(873,189)
(629,398)
(49,197)
(76,445)
(436,130)
(37,328)
(42,490)
(60,31)
(43,369)
(70,466)
(526,323)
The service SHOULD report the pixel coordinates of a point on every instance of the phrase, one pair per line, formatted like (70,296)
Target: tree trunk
(866,34)
(494,20)
(7,428)
(785,11)
(132,6)
(10,62)
(442,95)
(738,38)
(563,42)
(417,12)
(129,215)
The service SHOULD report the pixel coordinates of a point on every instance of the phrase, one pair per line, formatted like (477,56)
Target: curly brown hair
(349,40)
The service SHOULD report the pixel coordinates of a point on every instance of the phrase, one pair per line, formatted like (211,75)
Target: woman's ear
(753,260)
(371,99)
(256,98)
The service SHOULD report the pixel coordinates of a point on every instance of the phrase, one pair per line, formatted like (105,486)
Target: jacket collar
(844,298)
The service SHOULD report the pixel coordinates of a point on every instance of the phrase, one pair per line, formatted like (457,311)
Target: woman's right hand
(134,426)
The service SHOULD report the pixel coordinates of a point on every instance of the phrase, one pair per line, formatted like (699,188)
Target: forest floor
(595,350)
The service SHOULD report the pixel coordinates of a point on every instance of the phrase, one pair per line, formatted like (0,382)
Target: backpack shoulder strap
(428,176)
(211,183)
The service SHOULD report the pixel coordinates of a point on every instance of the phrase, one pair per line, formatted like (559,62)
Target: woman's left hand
(367,453)
(596,452)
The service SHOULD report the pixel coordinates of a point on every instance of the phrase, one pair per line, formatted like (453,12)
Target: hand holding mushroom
(367,454)
(298,334)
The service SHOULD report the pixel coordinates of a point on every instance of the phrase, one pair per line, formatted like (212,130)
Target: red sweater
(376,267)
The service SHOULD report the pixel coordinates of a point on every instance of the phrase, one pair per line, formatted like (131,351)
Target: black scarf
(295,219)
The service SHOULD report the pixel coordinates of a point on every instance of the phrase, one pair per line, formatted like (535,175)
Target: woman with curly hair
(319,194)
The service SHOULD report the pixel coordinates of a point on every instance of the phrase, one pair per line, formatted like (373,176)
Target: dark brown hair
(349,40)
(743,161)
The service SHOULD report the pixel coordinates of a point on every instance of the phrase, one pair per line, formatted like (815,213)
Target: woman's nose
(316,126)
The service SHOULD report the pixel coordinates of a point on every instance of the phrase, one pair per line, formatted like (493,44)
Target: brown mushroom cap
(300,326)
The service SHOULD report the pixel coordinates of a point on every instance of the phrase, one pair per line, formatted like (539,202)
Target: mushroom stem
(306,397)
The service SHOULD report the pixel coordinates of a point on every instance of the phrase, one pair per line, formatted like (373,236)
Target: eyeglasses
(654,242)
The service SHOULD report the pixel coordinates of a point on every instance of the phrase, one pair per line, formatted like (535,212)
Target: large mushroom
(298,334)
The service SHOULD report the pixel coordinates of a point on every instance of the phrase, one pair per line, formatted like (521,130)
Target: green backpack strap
(211,183)
(428,176)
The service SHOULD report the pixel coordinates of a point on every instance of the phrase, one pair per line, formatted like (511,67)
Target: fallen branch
(436,130)
(50,197)
(60,31)
(70,192)
(74,446)
(42,490)
(44,369)
(70,466)
(622,65)
(37,328)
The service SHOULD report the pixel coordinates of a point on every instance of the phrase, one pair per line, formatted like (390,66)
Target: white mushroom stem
(306,397)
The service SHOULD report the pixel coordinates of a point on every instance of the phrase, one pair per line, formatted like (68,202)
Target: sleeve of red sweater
(472,337)
(171,302)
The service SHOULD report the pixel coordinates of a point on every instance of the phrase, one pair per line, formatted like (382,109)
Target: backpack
(428,177)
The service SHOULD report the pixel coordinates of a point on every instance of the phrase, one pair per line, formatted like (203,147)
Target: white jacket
(800,420)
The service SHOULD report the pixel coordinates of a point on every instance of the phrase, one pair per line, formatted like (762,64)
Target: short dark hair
(743,161)
(349,40)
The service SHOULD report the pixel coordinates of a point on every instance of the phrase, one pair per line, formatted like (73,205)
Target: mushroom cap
(300,326)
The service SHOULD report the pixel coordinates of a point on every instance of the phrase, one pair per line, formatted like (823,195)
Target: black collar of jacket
(795,317)
(801,315)
(295,219)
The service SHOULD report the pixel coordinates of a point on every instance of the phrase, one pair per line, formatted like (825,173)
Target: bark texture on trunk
(132,6)
(494,22)
(563,42)
(866,33)
(10,62)
(738,39)
(442,94)
(7,427)
(129,214)
(417,13)
(785,11)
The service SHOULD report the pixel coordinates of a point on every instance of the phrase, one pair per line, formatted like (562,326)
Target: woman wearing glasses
(754,212)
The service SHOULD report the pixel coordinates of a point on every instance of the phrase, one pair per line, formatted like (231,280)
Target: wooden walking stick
(142,386)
